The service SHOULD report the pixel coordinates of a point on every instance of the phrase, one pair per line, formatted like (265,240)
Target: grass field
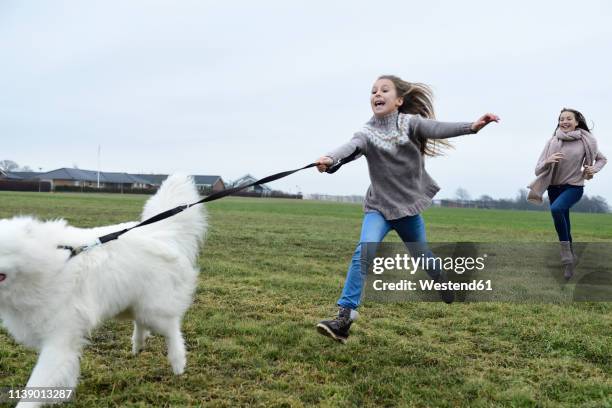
(270,269)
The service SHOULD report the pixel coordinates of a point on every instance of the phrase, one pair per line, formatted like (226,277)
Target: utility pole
(98,167)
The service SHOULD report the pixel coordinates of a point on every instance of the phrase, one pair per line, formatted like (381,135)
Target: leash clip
(74,251)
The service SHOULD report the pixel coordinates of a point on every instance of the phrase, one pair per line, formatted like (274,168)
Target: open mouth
(379,103)
(2,277)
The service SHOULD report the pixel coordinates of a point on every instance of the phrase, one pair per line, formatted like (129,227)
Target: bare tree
(462,194)
(8,165)
(596,204)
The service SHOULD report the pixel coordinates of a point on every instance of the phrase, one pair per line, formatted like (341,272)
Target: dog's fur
(51,302)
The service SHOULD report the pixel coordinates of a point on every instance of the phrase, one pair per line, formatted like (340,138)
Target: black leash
(215,196)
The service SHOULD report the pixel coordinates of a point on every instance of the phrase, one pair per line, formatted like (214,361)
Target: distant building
(22,181)
(154,180)
(247,179)
(209,183)
(461,204)
(205,184)
(67,177)
(358,199)
(4,175)
(25,175)
(90,178)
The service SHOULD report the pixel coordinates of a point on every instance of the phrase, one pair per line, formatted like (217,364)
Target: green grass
(270,269)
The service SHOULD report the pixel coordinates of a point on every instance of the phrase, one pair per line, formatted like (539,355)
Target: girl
(395,142)
(569,157)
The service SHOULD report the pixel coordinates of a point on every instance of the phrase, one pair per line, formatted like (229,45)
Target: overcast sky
(236,87)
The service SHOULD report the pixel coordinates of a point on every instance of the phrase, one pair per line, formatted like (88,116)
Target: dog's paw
(178,364)
(136,349)
(178,370)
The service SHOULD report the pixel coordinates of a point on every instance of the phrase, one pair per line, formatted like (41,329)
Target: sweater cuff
(334,159)
(599,164)
(468,129)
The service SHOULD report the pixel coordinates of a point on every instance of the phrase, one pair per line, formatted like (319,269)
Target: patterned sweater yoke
(399,184)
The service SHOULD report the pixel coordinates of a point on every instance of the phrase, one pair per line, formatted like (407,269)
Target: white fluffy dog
(50,302)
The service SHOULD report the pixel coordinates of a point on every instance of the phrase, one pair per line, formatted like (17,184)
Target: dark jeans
(562,198)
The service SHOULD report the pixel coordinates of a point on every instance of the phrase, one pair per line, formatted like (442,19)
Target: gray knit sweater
(400,186)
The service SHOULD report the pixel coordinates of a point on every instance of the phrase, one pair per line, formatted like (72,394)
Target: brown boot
(567,259)
(574,256)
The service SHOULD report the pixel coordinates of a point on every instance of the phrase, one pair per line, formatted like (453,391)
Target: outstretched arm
(433,129)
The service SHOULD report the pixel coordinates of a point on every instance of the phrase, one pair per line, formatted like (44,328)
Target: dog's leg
(171,330)
(139,337)
(57,366)
(176,347)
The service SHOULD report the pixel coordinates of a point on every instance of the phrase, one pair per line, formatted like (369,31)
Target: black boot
(338,328)
(439,276)
(447,296)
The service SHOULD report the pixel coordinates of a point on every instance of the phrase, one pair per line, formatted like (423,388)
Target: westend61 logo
(485,272)
(410,264)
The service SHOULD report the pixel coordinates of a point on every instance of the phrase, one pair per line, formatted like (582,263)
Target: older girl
(569,157)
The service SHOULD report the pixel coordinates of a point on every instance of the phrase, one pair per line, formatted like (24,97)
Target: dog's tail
(186,228)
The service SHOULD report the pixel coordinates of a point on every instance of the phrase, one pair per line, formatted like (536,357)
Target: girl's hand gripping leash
(334,168)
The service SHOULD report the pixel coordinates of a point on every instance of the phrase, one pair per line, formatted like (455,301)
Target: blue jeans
(562,198)
(373,230)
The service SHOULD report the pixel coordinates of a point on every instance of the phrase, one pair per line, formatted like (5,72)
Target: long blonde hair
(418,100)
